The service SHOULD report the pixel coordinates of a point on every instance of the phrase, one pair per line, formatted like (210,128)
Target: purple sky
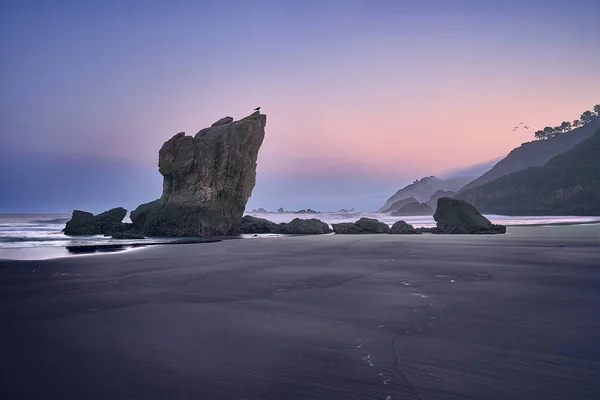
(361,97)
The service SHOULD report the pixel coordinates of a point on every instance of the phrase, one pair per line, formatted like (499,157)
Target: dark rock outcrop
(208,179)
(371,225)
(459,217)
(299,226)
(362,226)
(402,228)
(347,228)
(415,208)
(85,223)
(258,225)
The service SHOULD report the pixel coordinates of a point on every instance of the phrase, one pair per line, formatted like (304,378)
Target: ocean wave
(51,221)
(11,239)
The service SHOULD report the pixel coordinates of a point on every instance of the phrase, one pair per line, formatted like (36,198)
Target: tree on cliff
(576,123)
(597,110)
(587,117)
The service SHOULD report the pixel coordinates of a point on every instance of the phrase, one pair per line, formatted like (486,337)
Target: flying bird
(520,123)
(526,127)
(257,108)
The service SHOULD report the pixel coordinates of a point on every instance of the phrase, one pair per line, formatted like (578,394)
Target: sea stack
(208,178)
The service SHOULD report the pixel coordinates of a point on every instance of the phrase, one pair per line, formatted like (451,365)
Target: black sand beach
(332,317)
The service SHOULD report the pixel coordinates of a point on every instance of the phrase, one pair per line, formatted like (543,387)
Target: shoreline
(116,248)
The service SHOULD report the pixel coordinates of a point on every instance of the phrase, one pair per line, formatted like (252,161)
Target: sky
(361,97)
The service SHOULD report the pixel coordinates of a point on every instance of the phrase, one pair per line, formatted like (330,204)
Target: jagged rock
(111,220)
(458,216)
(259,211)
(85,223)
(414,208)
(299,226)
(347,228)
(362,226)
(208,179)
(127,235)
(280,210)
(402,228)
(81,223)
(222,121)
(258,225)
(371,225)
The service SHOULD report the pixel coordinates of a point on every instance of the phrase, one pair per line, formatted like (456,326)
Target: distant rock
(280,210)
(362,226)
(343,210)
(85,223)
(422,189)
(258,225)
(402,228)
(128,235)
(307,211)
(459,217)
(208,179)
(299,226)
(415,208)
(399,204)
(259,211)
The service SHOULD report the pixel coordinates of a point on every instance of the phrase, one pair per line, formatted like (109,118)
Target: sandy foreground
(331,317)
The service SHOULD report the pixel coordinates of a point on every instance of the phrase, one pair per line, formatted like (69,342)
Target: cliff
(208,179)
(536,153)
(568,184)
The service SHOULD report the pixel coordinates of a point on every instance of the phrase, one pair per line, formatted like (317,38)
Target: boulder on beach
(208,179)
(347,228)
(299,226)
(402,228)
(371,225)
(85,223)
(362,226)
(459,217)
(258,225)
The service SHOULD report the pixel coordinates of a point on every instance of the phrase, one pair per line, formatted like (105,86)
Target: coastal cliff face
(535,154)
(208,180)
(568,184)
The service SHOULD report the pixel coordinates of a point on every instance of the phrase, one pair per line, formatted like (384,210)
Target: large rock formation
(85,223)
(458,216)
(208,179)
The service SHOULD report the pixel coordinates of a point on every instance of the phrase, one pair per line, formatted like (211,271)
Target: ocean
(39,236)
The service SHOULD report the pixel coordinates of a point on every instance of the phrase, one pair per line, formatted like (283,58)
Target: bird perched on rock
(257,108)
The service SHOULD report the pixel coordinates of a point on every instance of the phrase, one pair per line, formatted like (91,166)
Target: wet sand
(332,317)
